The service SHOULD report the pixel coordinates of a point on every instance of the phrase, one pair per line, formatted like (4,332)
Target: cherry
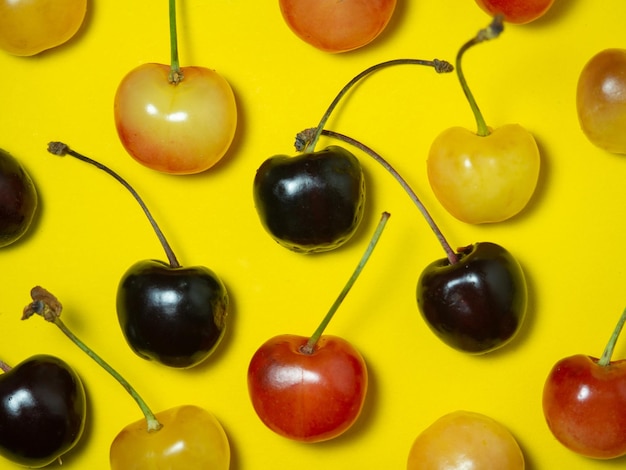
(185,436)
(172,119)
(488,176)
(311,389)
(475,299)
(314,202)
(42,410)
(465,440)
(516,11)
(28,27)
(18,199)
(172,314)
(333,26)
(584,402)
(601,100)
(476,304)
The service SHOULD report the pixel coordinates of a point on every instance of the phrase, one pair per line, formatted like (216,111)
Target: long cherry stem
(450,253)
(175,75)
(48,307)
(608,351)
(309,347)
(440,66)
(4,367)
(61,149)
(490,32)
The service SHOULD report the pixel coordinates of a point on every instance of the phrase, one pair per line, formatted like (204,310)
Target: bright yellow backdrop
(89,230)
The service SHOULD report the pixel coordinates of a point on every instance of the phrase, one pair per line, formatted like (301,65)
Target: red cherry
(311,389)
(305,396)
(516,11)
(584,402)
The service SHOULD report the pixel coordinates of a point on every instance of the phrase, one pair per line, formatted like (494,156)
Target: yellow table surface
(569,240)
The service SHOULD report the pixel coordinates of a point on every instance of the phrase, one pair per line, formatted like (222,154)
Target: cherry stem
(605,360)
(440,66)
(450,253)
(309,347)
(48,307)
(4,367)
(61,149)
(490,32)
(176,75)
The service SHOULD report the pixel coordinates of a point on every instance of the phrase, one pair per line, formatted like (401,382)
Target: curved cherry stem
(490,32)
(450,253)
(309,347)
(4,367)
(440,66)
(605,360)
(48,307)
(61,149)
(175,75)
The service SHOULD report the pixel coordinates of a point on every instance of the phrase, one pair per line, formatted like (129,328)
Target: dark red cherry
(18,199)
(477,304)
(176,316)
(312,202)
(42,411)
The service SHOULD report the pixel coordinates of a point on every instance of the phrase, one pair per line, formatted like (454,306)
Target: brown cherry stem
(309,347)
(49,308)
(440,66)
(61,149)
(450,253)
(605,360)
(490,32)
(4,367)
(176,75)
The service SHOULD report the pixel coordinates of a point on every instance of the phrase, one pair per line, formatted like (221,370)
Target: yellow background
(569,240)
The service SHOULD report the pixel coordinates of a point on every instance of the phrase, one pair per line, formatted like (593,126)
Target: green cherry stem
(490,32)
(440,66)
(48,307)
(60,149)
(309,347)
(605,360)
(450,254)
(175,75)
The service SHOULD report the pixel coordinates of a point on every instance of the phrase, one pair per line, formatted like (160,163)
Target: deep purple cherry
(312,202)
(42,411)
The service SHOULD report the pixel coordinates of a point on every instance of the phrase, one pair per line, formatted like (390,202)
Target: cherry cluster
(308,389)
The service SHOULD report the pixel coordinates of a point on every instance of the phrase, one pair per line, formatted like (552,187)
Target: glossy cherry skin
(478,304)
(179,128)
(516,11)
(42,411)
(18,199)
(601,100)
(584,404)
(464,440)
(484,179)
(28,27)
(307,397)
(190,438)
(312,202)
(333,26)
(175,316)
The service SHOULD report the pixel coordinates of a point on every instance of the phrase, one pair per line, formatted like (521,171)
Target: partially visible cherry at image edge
(584,402)
(173,119)
(185,436)
(337,27)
